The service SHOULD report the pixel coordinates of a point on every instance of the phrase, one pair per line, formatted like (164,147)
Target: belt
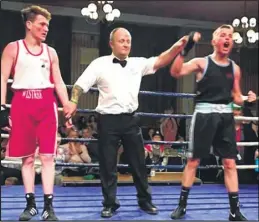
(213,108)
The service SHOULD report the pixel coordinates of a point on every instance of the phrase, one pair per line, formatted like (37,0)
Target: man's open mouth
(226,44)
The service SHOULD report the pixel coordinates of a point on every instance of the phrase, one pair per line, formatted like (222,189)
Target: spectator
(75,152)
(87,133)
(92,122)
(8,172)
(81,123)
(62,130)
(168,127)
(92,147)
(155,152)
(151,131)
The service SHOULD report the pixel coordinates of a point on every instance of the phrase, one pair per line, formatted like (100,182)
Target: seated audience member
(87,133)
(81,123)
(9,176)
(75,152)
(92,122)
(62,131)
(155,151)
(148,135)
(92,147)
(169,128)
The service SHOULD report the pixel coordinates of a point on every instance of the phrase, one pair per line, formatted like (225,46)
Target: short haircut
(73,129)
(113,33)
(30,13)
(225,26)
(89,128)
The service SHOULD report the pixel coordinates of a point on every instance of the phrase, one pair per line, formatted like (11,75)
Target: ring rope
(160,115)
(38,163)
(151,93)
(145,141)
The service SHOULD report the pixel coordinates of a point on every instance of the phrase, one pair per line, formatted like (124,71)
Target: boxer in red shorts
(36,75)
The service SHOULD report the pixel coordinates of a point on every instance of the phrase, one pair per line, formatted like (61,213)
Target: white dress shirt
(118,87)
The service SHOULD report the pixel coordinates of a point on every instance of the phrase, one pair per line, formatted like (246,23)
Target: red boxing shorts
(34,118)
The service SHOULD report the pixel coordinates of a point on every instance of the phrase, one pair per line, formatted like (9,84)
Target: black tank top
(217,83)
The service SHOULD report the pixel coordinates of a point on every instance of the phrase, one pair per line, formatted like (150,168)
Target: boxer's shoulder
(51,49)
(236,66)
(52,53)
(200,62)
(12,44)
(236,69)
(11,48)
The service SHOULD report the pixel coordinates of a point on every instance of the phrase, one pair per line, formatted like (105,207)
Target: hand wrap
(189,44)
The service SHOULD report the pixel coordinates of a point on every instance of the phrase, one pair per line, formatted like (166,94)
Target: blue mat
(206,202)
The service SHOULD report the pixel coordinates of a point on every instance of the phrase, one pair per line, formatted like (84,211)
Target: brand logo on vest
(44,60)
(229,75)
(32,94)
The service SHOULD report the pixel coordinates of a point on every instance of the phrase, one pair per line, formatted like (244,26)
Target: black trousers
(112,129)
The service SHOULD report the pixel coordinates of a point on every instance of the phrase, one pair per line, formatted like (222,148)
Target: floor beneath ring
(206,202)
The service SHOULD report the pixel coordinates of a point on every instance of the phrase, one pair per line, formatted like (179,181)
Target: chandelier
(100,11)
(246,33)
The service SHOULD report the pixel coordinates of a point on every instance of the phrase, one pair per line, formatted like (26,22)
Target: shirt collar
(113,56)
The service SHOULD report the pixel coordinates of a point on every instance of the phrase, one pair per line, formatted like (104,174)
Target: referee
(118,79)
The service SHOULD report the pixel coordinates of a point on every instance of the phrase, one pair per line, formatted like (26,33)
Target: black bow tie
(123,63)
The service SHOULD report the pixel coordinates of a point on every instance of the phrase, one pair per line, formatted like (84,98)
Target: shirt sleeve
(89,76)
(147,65)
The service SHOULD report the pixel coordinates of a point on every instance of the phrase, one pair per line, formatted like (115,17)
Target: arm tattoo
(76,93)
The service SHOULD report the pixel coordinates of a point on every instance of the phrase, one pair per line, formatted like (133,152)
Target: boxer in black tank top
(212,125)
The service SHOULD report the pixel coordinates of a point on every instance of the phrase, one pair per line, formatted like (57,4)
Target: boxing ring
(206,202)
